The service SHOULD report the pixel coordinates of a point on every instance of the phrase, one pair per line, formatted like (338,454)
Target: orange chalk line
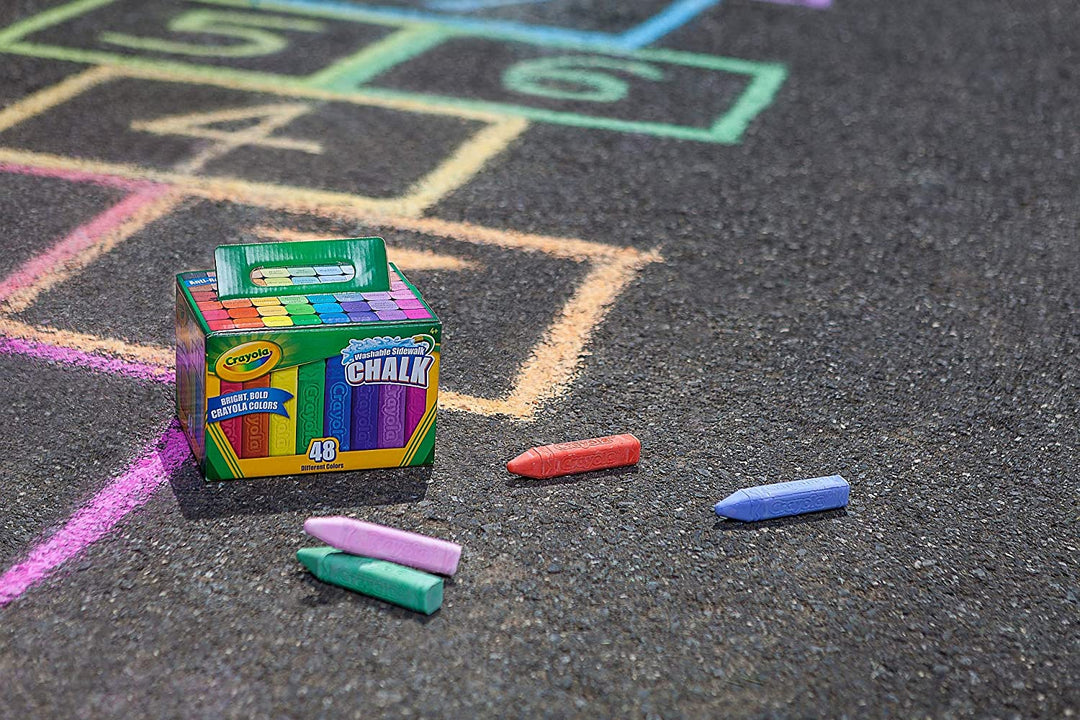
(75,176)
(555,362)
(219,189)
(559,247)
(463,165)
(404,258)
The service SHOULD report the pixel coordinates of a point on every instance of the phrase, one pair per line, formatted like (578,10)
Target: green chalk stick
(309,404)
(387,581)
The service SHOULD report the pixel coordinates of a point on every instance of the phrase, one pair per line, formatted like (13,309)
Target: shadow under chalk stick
(805,519)
(517,481)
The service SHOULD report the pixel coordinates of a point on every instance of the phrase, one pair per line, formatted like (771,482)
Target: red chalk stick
(233,427)
(580,456)
(255,441)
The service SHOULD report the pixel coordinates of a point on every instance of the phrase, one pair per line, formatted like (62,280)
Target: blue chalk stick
(337,404)
(765,502)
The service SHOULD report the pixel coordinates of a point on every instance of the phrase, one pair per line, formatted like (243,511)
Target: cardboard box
(305,357)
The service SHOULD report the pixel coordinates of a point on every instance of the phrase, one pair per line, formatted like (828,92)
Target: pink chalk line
(78,358)
(101,514)
(78,240)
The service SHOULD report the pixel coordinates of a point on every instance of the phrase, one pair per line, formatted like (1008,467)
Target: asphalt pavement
(878,278)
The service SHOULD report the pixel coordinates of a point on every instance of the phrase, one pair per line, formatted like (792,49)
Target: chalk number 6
(577,77)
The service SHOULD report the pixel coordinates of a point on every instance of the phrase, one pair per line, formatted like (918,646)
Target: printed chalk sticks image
(274,384)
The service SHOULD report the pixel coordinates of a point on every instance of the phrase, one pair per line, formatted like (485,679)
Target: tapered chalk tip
(525,464)
(324,528)
(734,506)
(312,557)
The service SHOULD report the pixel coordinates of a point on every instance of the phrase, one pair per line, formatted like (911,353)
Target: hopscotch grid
(547,373)
(764,79)
(611,268)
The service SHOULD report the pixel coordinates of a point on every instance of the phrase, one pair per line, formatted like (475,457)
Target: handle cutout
(306,275)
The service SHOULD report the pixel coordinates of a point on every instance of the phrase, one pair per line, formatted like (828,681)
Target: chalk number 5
(252,30)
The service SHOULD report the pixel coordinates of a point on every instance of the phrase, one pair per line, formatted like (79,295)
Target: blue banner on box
(246,402)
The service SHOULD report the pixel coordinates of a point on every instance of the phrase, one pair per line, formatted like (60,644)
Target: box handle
(301,268)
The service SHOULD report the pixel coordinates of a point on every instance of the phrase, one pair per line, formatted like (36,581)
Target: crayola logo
(248,361)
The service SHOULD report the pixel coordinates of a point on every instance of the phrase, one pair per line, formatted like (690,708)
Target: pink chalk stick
(384,543)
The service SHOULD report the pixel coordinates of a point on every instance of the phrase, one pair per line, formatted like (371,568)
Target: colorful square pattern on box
(340,376)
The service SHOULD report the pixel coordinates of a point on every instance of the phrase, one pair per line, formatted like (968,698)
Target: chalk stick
(385,543)
(765,502)
(311,381)
(365,413)
(283,429)
(233,427)
(337,411)
(384,580)
(578,456)
(415,406)
(391,431)
(255,441)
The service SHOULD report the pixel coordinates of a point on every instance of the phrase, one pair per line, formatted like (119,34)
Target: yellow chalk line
(404,258)
(299,89)
(53,95)
(462,165)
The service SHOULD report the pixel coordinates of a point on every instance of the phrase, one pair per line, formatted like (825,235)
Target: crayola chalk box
(304,357)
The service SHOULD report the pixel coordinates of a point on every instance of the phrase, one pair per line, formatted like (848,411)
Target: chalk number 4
(323,450)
